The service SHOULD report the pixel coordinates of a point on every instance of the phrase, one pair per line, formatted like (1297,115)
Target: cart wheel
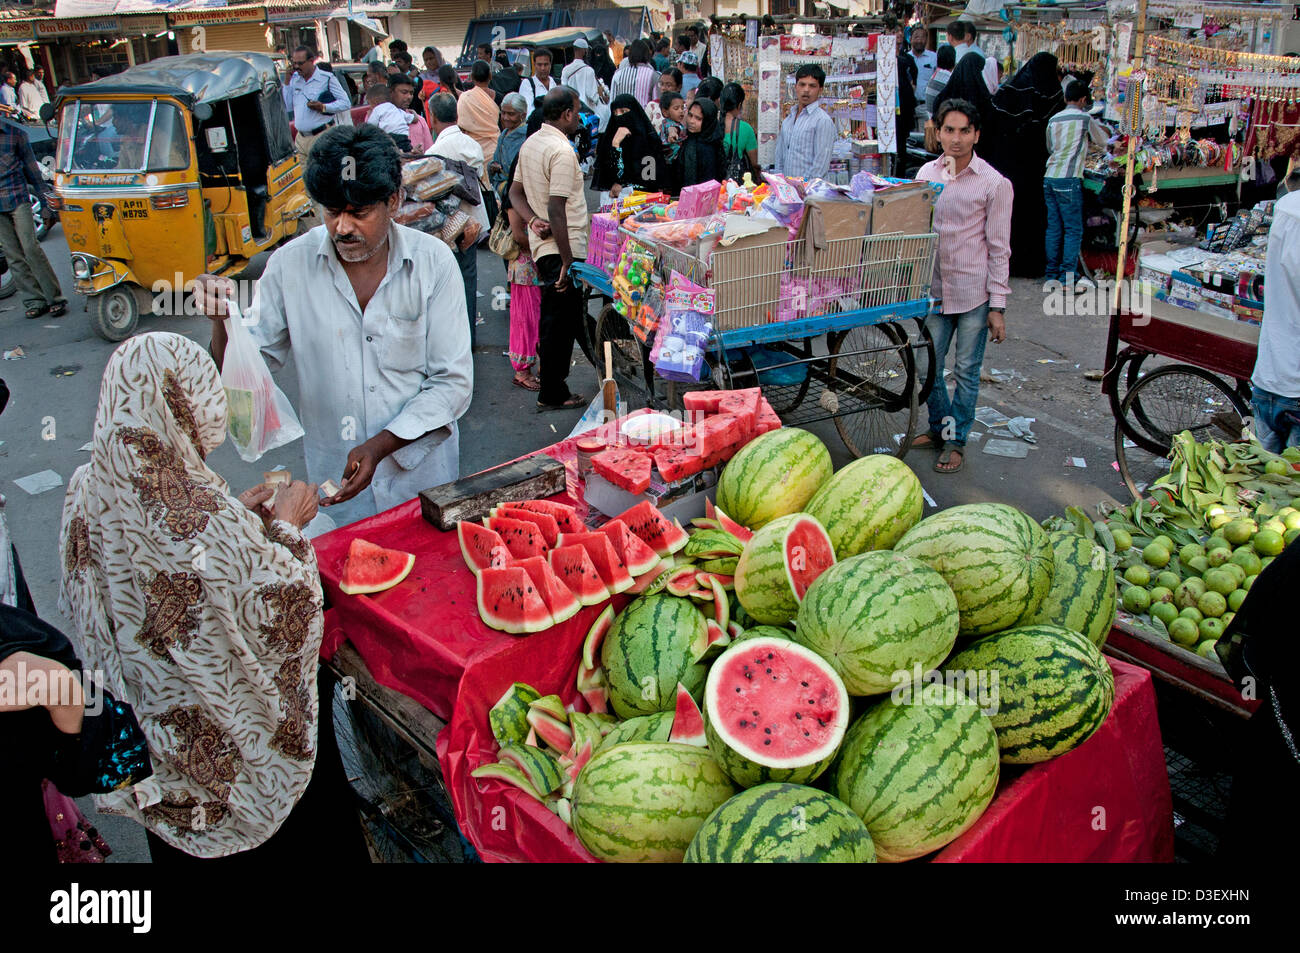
(783,398)
(1128,369)
(872,372)
(1164,403)
(115,314)
(631,358)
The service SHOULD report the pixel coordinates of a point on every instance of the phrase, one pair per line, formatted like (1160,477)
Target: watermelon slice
(522,538)
(717,433)
(721,607)
(767,418)
(654,580)
(742,533)
(553,705)
(538,767)
(627,469)
(591,686)
(550,529)
(371,568)
(802,712)
(481,547)
(559,598)
(575,569)
(636,555)
(503,771)
(677,463)
(682,582)
(554,732)
(596,637)
(649,525)
(564,514)
(613,571)
(509,602)
(704,401)
(688,722)
(745,404)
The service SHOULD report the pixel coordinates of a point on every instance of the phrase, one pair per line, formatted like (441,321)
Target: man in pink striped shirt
(973,219)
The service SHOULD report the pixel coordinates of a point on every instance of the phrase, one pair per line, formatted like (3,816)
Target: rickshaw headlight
(81,267)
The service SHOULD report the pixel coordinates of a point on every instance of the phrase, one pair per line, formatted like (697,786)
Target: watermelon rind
(656,727)
(763,580)
(370,568)
(508,718)
(748,767)
(1083,596)
(782,823)
(648,650)
(876,616)
(764,631)
(997,561)
(868,505)
(504,771)
(1054,689)
(920,774)
(643,802)
(541,770)
(596,637)
(773,475)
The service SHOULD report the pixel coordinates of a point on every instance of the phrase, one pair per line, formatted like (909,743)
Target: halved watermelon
(688,722)
(550,529)
(779,564)
(627,469)
(649,525)
(636,555)
(575,569)
(371,568)
(509,602)
(521,537)
(613,572)
(481,547)
(565,515)
(560,600)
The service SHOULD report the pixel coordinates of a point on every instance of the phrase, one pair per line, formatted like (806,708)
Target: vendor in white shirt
(581,77)
(541,82)
(314,98)
(374,318)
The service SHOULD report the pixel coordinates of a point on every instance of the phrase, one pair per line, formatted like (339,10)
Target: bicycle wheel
(1164,403)
(872,371)
(632,366)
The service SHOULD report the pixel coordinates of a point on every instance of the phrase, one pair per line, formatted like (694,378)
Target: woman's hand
(614,190)
(257,498)
(619,136)
(296,503)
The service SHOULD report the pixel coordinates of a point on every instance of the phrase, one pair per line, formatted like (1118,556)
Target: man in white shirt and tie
(313,97)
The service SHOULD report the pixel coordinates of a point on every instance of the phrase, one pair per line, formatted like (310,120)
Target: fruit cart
(1178,370)
(837,334)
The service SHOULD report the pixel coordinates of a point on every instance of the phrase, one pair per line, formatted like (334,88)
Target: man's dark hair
(638,52)
(683,42)
(306,50)
(962,106)
(946,57)
(813,70)
(543,52)
(378,70)
(402,58)
(667,99)
(379,92)
(709,88)
(957,30)
(693,31)
(353,166)
(484,48)
(557,102)
(442,107)
(397,46)
(401,79)
(1076,90)
(662,44)
(480,72)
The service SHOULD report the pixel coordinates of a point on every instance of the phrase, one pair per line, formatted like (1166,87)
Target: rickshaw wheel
(873,369)
(115,313)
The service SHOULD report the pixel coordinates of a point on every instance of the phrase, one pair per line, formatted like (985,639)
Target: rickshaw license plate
(135,208)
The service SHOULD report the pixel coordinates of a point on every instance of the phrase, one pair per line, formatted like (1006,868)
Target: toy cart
(835,334)
(1178,370)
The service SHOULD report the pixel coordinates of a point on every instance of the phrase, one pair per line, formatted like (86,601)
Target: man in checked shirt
(973,219)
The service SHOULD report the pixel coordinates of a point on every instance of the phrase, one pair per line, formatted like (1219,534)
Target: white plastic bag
(261,417)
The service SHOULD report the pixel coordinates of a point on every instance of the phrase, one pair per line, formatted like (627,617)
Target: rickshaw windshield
(120,136)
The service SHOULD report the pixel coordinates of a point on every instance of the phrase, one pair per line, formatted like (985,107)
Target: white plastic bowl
(649,428)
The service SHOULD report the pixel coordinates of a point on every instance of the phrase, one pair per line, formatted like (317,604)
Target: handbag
(501,240)
(75,840)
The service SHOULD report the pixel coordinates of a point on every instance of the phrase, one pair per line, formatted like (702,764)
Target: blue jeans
(1277,419)
(951,419)
(1064,199)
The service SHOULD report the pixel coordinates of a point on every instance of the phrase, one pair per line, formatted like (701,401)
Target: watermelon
(677,463)
(721,433)
(636,555)
(744,404)
(779,564)
(627,469)
(650,526)
(760,631)
(591,686)
(565,516)
(652,581)
(919,774)
(869,504)
(742,533)
(682,581)
(586,729)
(522,538)
(773,475)
(554,731)
(996,560)
(654,727)
(702,401)
(782,824)
(575,569)
(559,598)
(774,711)
(508,718)
(538,767)
(768,420)
(1053,690)
(688,722)
(876,615)
(712,544)
(481,548)
(545,523)
(504,771)
(653,644)
(643,802)
(1083,593)
(613,572)
(509,602)
(371,568)
(596,637)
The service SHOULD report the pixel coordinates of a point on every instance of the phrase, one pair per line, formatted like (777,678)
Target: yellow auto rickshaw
(176,167)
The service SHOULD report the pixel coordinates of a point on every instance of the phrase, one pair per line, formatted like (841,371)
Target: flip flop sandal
(945,466)
(32,313)
(526,384)
(573,403)
(930,444)
(58,309)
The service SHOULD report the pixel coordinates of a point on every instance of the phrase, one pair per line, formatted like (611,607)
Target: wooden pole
(1134,105)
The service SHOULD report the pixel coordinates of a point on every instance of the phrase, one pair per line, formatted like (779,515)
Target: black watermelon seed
(769,654)
(769,671)
(755,714)
(767,741)
(799,715)
(821,723)
(804,684)
(805,734)
(737,691)
(767,731)
(744,723)
(812,701)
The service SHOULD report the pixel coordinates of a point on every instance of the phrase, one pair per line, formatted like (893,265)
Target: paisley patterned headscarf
(205,620)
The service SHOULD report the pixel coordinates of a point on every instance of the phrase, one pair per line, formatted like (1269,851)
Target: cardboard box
(830,245)
(906,208)
(747,278)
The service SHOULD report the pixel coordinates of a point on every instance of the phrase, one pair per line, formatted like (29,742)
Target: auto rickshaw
(176,167)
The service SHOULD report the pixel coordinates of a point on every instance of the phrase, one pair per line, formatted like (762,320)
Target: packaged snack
(418,169)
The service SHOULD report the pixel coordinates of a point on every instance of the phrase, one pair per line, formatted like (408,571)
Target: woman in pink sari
(525,298)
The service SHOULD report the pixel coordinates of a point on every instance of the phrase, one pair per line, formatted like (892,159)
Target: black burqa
(700,159)
(905,119)
(967,82)
(641,151)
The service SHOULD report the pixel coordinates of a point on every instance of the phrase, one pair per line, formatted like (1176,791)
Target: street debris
(64,370)
(35,483)
(1076,462)
(1015,449)
(14,354)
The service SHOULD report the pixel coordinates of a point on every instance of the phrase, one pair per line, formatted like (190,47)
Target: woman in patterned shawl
(202,610)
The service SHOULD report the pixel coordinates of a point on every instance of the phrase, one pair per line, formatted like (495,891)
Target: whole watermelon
(996,560)
(1054,689)
(773,475)
(868,505)
(1083,596)
(644,802)
(919,775)
(782,824)
(876,615)
(653,645)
